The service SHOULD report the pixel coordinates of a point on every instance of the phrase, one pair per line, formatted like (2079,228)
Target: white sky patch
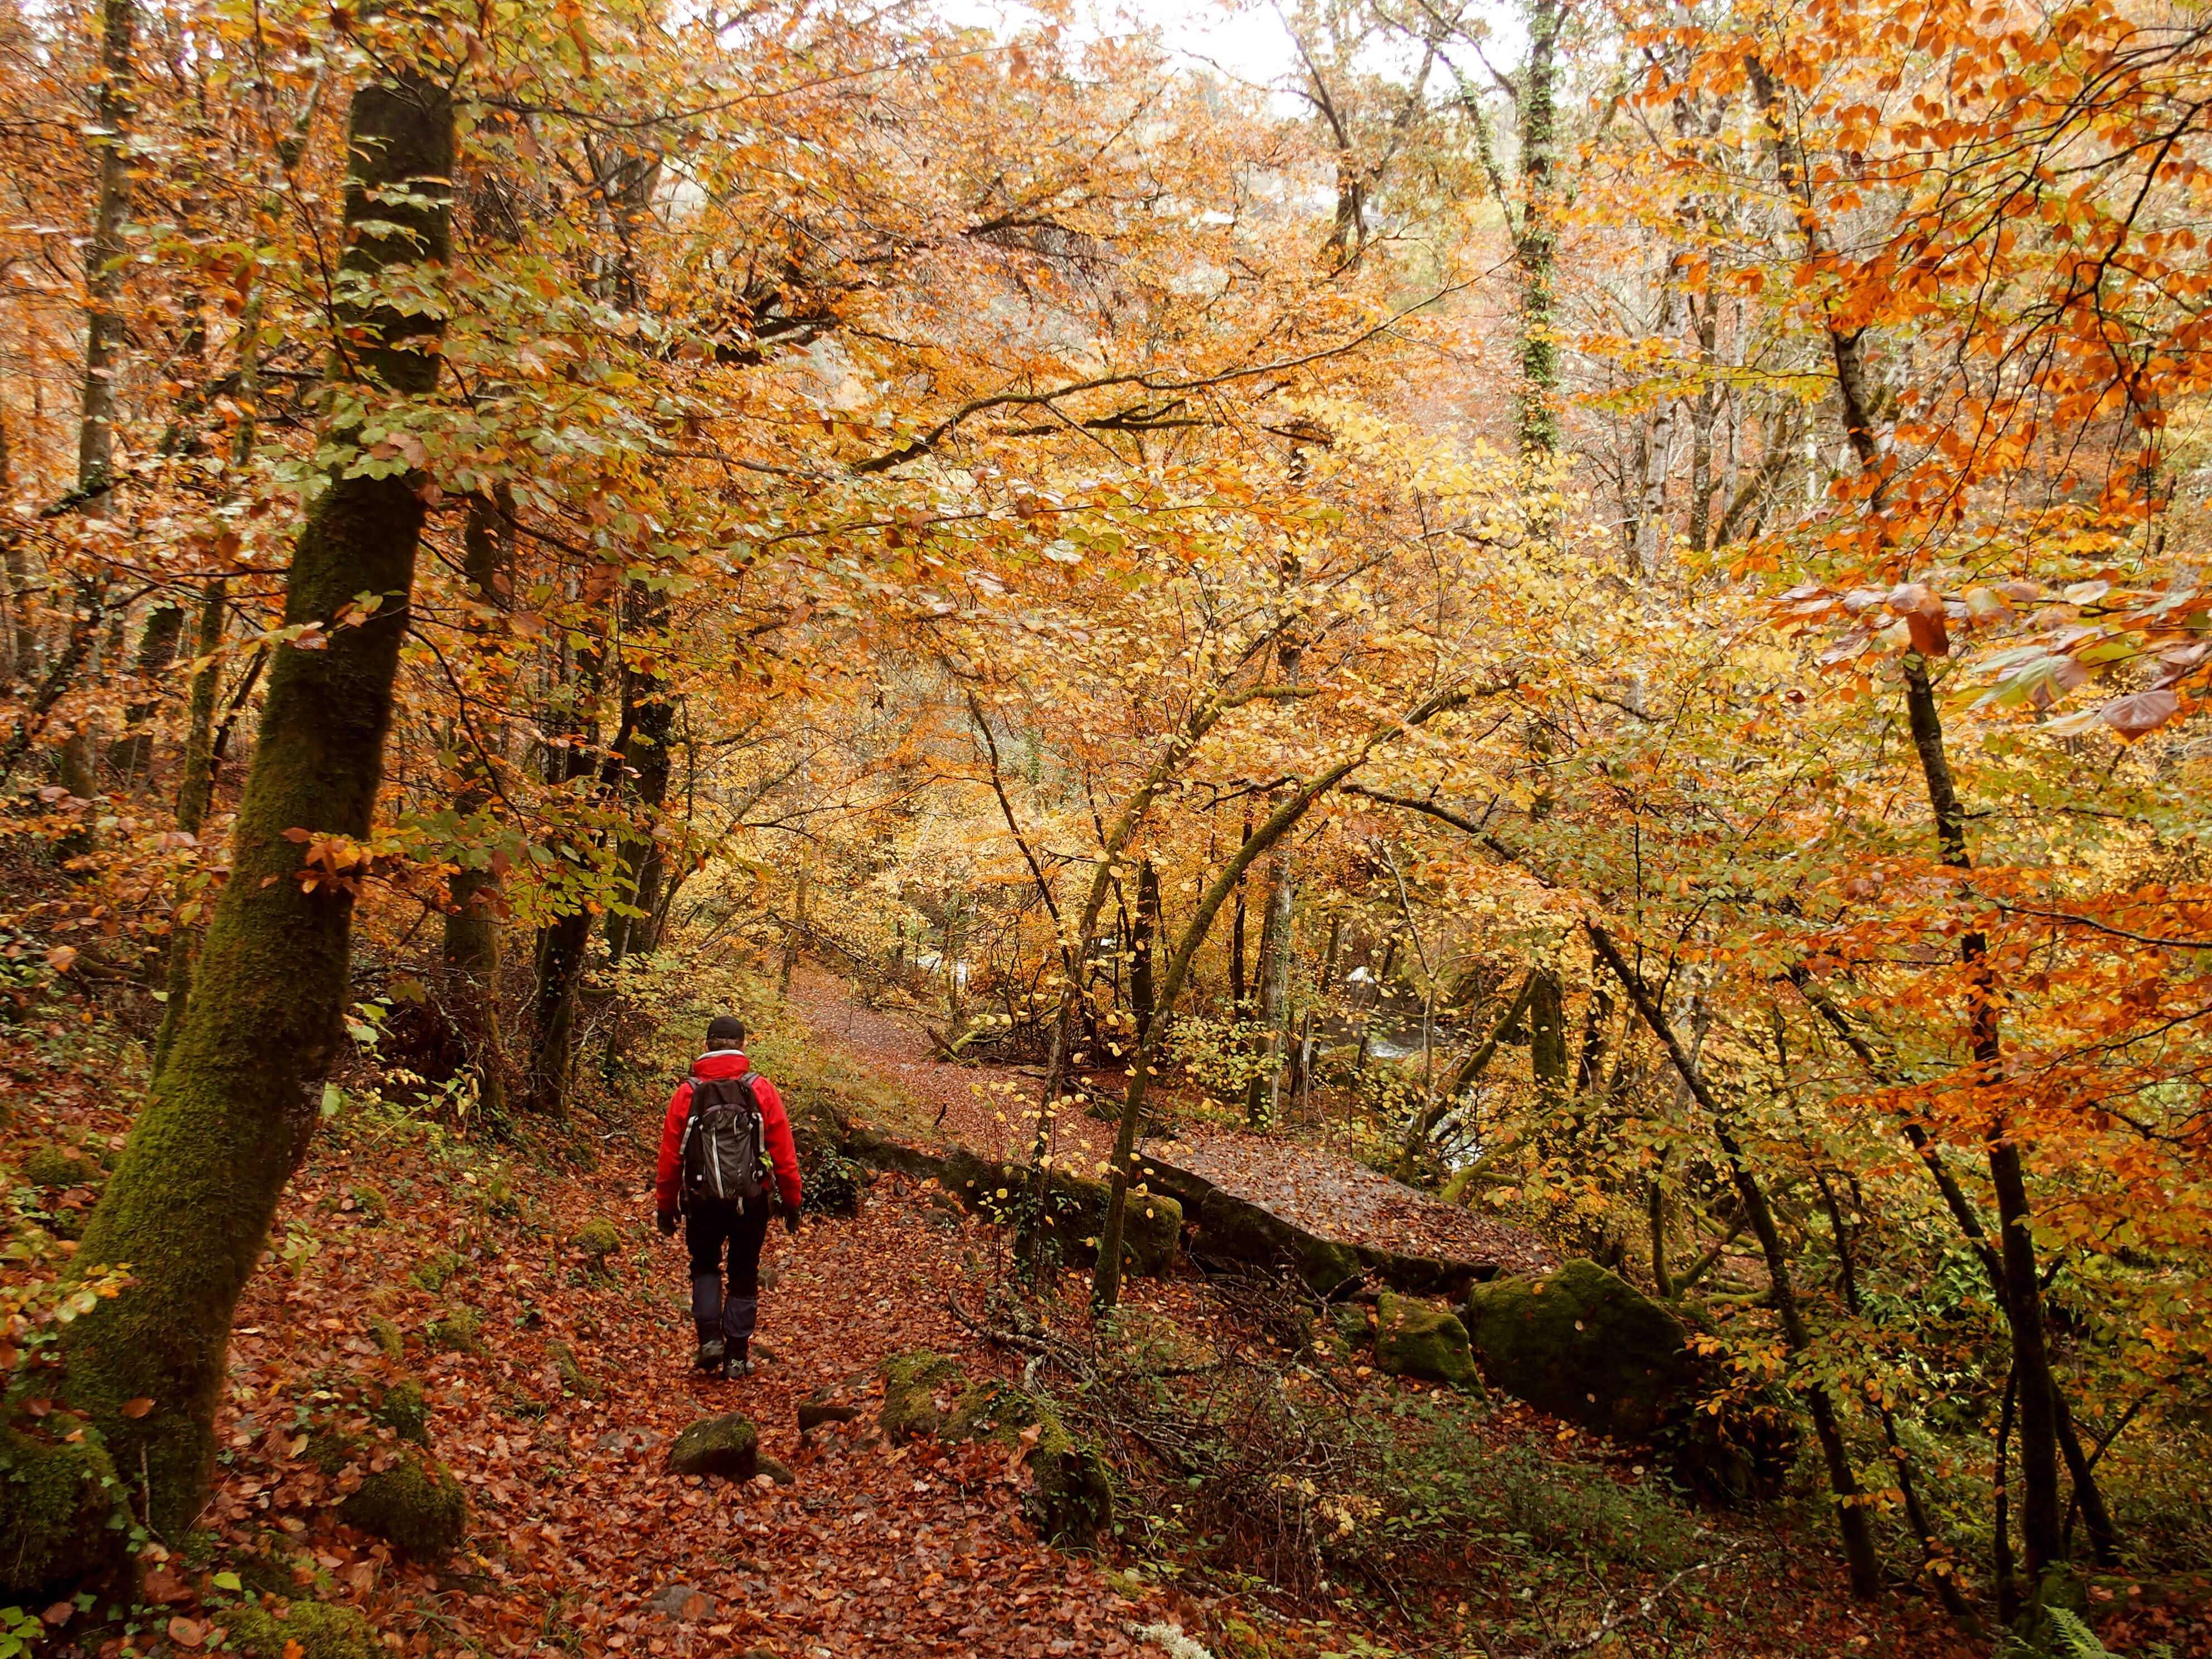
(1248,43)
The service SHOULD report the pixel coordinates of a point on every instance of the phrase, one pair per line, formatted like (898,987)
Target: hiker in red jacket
(725,1122)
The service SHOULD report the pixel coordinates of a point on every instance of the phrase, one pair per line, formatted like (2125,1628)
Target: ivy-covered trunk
(233,1106)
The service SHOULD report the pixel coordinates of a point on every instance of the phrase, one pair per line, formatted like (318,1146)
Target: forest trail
(1326,1192)
(554,1384)
(400,1256)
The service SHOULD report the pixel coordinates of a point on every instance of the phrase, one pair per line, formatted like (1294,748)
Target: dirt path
(579,1537)
(993,1110)
(580,1544)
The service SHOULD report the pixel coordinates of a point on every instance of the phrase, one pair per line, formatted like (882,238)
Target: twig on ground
(1613,1621)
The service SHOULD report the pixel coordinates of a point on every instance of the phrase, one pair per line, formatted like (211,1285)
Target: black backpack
(723,1144)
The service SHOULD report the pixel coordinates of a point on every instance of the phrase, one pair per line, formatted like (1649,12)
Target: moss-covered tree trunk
(195,793)
(104,254)
(1537,248)
(1272,972)
(563,947)
(1144,989)
(470,947)
(131,757)
(189,1207)
(1547,1037)
(649,721)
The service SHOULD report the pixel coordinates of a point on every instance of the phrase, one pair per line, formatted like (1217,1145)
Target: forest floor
(402,1251)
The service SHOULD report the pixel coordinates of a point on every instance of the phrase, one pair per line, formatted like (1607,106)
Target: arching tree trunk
(233,1107)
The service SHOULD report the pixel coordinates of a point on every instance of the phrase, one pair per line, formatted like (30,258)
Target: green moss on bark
(237,1096)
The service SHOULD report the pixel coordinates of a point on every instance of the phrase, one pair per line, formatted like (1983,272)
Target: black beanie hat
(725,1028)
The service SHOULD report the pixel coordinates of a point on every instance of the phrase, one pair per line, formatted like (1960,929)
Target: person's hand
(791,1221)
(668,1223)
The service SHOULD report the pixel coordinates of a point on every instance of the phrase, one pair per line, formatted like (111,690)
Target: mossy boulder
(404,1412)
(570,1370)
(370,1204)
(1236,1229)
(1073,1501)
(597,1241)
(913,1385)
(459,1332)
(1413,1339)
(414,1501)
(819,1126)
(321,1631)
(1152,1224)
(59,1168)
(433,1273)
(728,1446)
(1585,1344)
(56,1504)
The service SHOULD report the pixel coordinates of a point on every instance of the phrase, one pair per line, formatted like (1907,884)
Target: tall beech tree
(235,1105)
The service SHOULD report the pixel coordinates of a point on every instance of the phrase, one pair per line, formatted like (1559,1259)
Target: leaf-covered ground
(580,1539)
(401,1255)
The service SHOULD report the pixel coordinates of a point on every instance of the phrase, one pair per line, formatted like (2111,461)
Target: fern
(2075,1639)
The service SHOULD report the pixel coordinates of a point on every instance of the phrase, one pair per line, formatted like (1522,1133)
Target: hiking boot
(737,1365)
(709,1357)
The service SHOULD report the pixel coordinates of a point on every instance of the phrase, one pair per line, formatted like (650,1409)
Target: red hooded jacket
(775,1129)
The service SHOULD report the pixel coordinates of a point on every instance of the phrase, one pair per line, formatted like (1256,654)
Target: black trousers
(708,1228)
